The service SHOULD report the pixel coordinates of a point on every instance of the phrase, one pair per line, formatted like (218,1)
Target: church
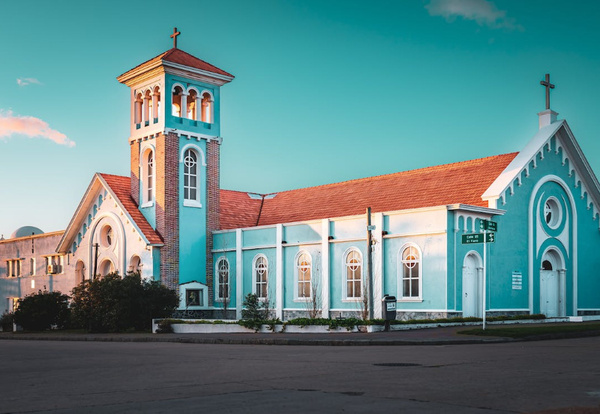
(331,250)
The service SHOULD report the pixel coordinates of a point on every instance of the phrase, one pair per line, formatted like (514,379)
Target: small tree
(115,304)
(43,310)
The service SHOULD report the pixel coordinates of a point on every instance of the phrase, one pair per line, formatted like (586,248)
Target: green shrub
(43,310)
(116,304)
(6,321)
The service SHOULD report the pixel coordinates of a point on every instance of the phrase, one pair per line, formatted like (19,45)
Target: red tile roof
(461,182)
(120,186)
(183,58)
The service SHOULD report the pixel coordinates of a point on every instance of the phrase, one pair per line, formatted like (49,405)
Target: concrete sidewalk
(432,336)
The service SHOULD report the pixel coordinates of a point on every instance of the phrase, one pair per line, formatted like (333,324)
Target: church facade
(333,250)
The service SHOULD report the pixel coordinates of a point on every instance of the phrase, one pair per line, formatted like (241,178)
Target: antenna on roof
(174,36)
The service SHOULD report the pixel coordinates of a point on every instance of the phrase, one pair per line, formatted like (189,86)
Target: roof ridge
(432,167)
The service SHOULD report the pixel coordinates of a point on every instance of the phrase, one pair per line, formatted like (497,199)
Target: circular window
(552,213)
(106,236)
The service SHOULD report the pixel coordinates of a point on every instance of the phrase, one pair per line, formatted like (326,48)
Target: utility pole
(96,245)
(369,264)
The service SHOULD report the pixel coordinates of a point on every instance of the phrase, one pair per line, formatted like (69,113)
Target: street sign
(478,238)
(488,225)
(371,228)
(472,238)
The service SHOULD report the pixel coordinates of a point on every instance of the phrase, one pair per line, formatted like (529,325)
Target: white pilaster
(184,105)
(325,268)
(279,272)
(239,269)
(378,256)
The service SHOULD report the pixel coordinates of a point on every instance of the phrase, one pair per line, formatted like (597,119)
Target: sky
(324,90)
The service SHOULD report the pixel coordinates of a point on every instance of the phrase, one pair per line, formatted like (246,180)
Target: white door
(471,298)
(549,300)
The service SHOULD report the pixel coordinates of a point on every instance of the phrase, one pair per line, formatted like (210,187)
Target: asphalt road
(118,377)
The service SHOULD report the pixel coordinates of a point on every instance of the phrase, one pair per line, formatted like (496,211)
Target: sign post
(488,235)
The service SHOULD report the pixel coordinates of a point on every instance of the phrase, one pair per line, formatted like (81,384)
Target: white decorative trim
(239,274)
(195,148)
(296,272)
(258,256)
(325,300)
(278,273)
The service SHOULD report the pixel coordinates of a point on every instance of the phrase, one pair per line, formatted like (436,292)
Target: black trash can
(389,310)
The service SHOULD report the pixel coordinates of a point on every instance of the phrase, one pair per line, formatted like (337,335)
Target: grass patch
(527,331)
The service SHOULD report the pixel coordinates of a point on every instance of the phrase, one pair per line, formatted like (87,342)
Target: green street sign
(478,238)
(488,225)
(472,238)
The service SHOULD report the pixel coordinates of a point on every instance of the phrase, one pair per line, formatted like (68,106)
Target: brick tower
(175,143)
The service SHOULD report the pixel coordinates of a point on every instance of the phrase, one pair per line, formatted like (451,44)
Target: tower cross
(176,33)
(548,86)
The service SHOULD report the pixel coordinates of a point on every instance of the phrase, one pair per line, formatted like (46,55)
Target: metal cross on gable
(548,86)
(174,36)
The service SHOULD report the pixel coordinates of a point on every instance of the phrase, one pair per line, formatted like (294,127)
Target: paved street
(116,377)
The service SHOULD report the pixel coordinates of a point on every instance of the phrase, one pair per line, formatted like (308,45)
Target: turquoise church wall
(264,236)
(302,233)
(290,255)
(192,219)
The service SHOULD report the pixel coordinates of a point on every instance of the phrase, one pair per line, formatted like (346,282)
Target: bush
(6,321)
(116,304)
(255,313)
(43,310)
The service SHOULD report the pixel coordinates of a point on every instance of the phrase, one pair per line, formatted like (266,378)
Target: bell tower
(175,145)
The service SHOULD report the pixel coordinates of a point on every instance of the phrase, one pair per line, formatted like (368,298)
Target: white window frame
(255,274)
(148,180)
(218,284)
(400,277)
(297,297)
(200,172)
(345,297)
(32,266)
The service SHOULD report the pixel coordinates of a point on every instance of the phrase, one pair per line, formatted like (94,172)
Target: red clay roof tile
(121,188)
(183,58)
(461,182)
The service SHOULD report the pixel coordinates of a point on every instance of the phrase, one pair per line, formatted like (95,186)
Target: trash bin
(389,310)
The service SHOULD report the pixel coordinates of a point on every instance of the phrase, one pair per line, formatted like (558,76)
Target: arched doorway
(552,284)
(472,285)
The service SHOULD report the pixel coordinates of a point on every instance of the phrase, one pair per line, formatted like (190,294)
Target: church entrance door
(551,293)
(472,285)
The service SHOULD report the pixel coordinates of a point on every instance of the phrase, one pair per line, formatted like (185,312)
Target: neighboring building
(171,221)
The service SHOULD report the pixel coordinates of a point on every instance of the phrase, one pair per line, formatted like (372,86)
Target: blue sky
(325,91)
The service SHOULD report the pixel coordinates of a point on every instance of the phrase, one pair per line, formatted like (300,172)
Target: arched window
(135,264)
(207,108)
(156,103)
(353,265)
(303,275)
(191,181)
(32,266)
(79,272)
(177,101)
(223,279)
(105,268)
(148,177)
(138,108)
(411,273)
(147,112)
(261,273)
(191,105)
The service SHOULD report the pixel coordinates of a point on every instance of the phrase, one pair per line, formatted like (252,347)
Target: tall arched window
(190,176)
(303,275)
(261,273)
(223,279)
(148,177)
(411,273)
(135,264)
(353,265)
(207,108)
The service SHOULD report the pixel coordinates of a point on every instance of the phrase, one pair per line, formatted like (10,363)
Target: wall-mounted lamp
(330,238)
(384,233)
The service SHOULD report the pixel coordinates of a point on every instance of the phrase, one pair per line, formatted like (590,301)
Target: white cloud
(27,81)
(483,12)
(31,127)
